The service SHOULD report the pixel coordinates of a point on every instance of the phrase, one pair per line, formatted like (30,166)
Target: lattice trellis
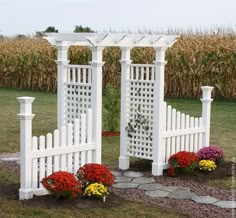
(77,91)
(140,85)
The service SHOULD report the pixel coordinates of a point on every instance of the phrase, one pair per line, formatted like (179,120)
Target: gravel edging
(199,189)
(184,207)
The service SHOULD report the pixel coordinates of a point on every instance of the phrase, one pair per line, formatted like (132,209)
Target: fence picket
(142,73)
(83,137)
(76,143)
(89,133)
(187,146)
(56,145)
(79,74)
(49,158)
(89,76)
(84,75)
(168,128)
(182,137)
(191,135)
(177,128)
(73,74)
(131,73)
(63,144)
(83,128)
(147,73)
(89,156)
(41,160)
(196,125)
(200,134)
(35,181)
(69,144)
(173,127)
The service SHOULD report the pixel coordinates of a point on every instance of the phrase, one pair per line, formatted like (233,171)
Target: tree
(49,29)
(81,29)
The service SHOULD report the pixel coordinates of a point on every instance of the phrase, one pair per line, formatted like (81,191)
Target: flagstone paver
(181,194)
(204,199)
(173,188)
(116,173)
(157,193)
(125,185)
(143,180)
(151,187)
(133,174)
(225,204)
(122,179)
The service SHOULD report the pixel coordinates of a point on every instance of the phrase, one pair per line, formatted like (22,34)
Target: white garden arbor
(149,129)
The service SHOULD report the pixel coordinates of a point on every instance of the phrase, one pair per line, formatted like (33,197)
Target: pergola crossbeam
(111,39)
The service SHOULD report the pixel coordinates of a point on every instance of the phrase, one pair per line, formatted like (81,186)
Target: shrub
(95,173)
(207,165)
(211,153)
(96,190)
(112,108)
(182,161)
(62,185)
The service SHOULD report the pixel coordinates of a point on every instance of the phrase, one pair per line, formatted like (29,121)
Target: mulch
(110,134)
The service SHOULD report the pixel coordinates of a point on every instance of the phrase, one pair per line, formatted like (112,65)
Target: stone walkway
(130,179)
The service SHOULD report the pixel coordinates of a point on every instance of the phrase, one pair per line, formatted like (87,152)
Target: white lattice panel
(139,128)
(77,91)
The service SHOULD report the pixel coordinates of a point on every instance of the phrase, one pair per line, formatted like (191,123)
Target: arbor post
(158,105)
(125,68)
(61,61)
(96,99)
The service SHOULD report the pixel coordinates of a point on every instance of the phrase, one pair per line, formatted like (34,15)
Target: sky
(28,16)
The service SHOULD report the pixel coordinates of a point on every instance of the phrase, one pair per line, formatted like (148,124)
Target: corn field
(193,61)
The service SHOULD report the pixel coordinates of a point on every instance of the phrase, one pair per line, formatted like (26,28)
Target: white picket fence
(181,132)
(66,149)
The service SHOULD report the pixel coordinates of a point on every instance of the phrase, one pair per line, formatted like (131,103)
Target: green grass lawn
(223,121)
(223,134)
(128,210)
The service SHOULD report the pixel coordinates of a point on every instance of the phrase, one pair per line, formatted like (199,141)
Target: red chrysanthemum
(95,173)
(183,161)
(62,184)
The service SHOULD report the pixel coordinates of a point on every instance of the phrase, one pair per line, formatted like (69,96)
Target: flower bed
(206,160)
(92,181)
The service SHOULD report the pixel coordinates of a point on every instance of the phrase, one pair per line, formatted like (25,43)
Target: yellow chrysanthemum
(207,165)
(96,190)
